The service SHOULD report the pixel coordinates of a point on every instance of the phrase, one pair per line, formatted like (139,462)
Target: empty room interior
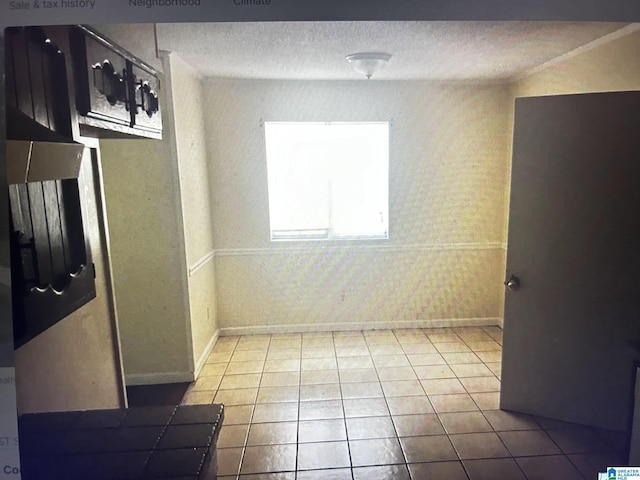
(374,355)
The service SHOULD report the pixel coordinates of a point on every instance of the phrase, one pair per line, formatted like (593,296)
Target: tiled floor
(382,404)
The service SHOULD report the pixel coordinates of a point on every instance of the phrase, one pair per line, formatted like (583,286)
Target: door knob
(513,283)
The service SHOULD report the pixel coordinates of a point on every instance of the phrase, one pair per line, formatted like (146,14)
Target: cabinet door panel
(146,88)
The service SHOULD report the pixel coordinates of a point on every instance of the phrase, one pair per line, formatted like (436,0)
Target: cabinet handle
(148,98)
(109,83)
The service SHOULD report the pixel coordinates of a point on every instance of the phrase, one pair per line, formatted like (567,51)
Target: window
(328,180)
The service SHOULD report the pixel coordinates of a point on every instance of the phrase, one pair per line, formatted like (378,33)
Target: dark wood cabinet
(114,91)
(51,265)
(36,85)
(63,84)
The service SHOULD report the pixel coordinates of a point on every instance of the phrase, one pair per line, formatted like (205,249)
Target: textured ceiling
(420,50)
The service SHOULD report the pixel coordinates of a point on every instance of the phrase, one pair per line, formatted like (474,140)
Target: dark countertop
(175,442)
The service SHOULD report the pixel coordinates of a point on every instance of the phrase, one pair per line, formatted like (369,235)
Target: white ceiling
(420,50)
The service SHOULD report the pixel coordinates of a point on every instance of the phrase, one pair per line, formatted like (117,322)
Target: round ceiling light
(367,63)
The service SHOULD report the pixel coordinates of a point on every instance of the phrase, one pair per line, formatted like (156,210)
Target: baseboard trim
(157,378)
(337,327)
(207,351)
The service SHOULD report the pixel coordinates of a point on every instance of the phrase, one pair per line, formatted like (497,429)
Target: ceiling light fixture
(367,63)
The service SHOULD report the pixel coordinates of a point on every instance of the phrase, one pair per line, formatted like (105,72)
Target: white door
(574,246)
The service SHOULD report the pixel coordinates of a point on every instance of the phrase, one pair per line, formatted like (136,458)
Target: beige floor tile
(475,336)
(502,420)
(278,394)
(325,474)
(528,443)
(579,440)
(418,425)
(249,356)
(428,372)
(452,470)
(317,342)
(365,407)
(323,455)
(249,380)
(488,346)
(458,402)
(346,342)
(383,350)
(318,364)
(272,433)
(408,332)
(237,414)
(496,368)
(232,436)
(419,348)
(362,428)
(213,369)
(321,410)
(229,461)
(402,388)
(464,422)
(396,373)
(479,445)
(282,366)
(461,357)
(538,468)
(226,347)
(358,375)
(420,359)
(329,391)
(493,468)
(314,352)
(269,458)
(316,377)
(280,379)
(210,382)
(352,351)
(409,405)
(219,357)
(253,345)
(385,361)
(328,430)
(452,347)
(198,397)
(354,362)
(471,370)
(385,472)
(432,448)
(383,344)
(487,401)
(443,337)
(490,357)
(284,354)
(361,390)
(275,412)
(481,384)
(285,343)
(382,451)
(235,368)
(238,396)
(439,386)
